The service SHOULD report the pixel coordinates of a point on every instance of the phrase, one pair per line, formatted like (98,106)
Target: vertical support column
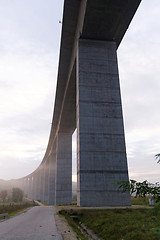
(41,183)
(29,186)
(34,186)
(101,145)
(52,173)
(42,170)
(64,169)
(46,183)
(38,185)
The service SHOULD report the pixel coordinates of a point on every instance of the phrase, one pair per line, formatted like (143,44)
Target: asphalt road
(37,223)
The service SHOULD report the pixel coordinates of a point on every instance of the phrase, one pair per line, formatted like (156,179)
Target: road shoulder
(63,228)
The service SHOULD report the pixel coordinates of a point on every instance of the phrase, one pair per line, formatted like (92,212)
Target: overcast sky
(29,50)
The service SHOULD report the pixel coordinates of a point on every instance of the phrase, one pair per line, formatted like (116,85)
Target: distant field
(140,201)
(14,208)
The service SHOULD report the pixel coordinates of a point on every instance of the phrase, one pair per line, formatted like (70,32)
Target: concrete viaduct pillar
(46,182)
(27,185)
(24,185)
(52,173)
(30,186)
(63,169)
(101,151)
(42,177)
(59,171)
(38,185)
(34,187)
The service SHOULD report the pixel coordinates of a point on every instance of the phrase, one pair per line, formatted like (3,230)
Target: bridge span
(87,98)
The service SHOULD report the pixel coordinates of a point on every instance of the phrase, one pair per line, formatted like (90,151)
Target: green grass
(16,203)
(121,224)
(14,208)
(140,201)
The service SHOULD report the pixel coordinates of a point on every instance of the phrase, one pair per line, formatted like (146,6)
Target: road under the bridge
(37,223)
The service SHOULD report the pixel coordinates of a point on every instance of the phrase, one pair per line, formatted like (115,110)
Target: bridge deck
(104,20)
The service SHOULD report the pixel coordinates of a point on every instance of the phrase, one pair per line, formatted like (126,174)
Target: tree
(3,195)
(17,195)
(157,156)
(141,189)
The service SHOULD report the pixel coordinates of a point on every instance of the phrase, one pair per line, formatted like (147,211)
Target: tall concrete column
(27,186)
(100,132)
(36,196)
(52,173)
(30,190)
(38,185)
(34,187)
(42,176)
(46,181)
(31,186)
(41,183)
(64,169)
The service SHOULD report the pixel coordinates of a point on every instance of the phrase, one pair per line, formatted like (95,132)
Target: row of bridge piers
(52,181)
(101,152)
(87,98)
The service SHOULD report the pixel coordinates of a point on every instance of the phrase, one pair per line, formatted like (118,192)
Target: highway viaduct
(87,98)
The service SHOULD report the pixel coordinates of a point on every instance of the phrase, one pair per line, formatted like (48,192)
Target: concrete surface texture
(87,98)
(37,223)
(101,145)
(64,169)
(52,176)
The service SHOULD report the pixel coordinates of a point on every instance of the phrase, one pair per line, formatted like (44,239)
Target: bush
(3,195)
(17,195)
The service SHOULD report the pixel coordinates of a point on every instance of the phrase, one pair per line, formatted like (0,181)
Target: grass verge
(140,201)
(13,208)
(118,224)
